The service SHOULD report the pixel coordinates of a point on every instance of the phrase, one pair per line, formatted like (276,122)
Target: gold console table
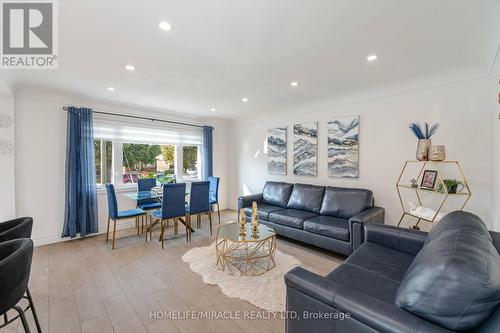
(428,190)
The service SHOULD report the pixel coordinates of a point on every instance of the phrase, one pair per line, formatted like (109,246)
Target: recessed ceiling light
(372,57)
(294,83)
(212,109)
(130,68)
(165,26)
(111,88)
(244,99)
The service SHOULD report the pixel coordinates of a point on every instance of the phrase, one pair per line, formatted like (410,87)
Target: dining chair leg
(186,219)
(114,232)
(142,224)
(23,318)
(33,311)
(151,229)
(176,227)
(210,220)
(137,224)
(107,232)
(162,229)
(198,221)
(218,211)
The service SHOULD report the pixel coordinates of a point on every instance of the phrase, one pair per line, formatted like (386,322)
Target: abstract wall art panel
(276,151)
(343,147)
(305,149)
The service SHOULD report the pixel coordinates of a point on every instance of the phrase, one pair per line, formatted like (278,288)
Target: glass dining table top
(142,195)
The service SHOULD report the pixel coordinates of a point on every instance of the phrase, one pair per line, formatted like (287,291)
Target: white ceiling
(222,50)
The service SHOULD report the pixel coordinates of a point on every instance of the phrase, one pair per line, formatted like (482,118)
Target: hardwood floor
(84,286)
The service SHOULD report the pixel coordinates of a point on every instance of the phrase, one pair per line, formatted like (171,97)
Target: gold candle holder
(242,222)
(255,218)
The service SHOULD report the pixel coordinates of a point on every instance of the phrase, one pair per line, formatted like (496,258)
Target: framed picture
(305,146)
(429,180)
(276,151)
(343,147)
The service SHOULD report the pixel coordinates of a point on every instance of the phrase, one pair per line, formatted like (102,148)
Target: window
(147,161)
(190,162)
(103,161)
(130,150)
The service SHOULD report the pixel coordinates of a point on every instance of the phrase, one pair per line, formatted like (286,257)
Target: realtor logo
(29,36)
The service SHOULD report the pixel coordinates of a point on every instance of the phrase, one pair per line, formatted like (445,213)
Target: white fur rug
(266,291)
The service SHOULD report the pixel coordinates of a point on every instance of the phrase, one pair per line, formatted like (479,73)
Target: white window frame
(117,165)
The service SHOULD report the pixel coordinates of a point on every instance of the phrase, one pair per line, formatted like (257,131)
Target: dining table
(143,195)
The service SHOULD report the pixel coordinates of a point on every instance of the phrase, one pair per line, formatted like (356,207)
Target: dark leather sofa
(403,280)
(328,217)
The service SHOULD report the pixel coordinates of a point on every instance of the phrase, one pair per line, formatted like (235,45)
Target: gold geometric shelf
(427,204)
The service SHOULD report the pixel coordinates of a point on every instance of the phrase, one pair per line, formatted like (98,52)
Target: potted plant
(451,186)
(423,135)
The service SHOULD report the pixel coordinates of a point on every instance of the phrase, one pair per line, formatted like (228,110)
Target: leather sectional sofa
(328,217)
(402,281)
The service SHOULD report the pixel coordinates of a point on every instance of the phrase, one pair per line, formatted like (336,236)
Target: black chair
(15,266)
(15,229)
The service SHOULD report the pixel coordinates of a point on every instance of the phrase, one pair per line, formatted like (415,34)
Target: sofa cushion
(276,193)
(368,284)
(454,280)
(291,217)
(263,211)
(306,197)
(381,261)
(328,226)
(345,202)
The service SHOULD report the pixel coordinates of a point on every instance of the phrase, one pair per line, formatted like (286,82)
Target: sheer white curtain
(121,129)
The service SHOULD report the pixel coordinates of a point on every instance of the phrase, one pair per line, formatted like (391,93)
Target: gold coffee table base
(246,255)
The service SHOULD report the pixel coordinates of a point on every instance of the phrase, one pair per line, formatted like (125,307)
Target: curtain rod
(65,108)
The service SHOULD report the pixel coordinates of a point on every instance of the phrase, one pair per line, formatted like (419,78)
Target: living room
(323,158)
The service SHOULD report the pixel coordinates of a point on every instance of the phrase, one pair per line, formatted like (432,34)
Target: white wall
(462,109)
(7,174)
(40,133)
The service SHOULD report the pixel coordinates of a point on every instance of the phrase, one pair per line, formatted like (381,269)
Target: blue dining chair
(199,203)
(145,185)
(115,215)
(173,207)
(213,194)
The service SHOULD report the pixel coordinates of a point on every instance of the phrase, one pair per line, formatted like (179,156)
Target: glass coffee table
(245,254)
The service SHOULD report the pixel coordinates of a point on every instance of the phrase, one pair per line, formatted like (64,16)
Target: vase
(423,149)
(437,153)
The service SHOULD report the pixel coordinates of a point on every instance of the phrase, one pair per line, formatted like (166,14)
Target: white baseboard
(102,230)
(57,238)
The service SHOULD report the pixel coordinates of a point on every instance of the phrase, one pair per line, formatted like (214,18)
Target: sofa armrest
(370,215)
(401,239)
(246,200)
(357,222)
(312,285)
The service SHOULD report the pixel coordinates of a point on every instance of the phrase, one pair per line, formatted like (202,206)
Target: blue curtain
(80,215)
(207,164)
